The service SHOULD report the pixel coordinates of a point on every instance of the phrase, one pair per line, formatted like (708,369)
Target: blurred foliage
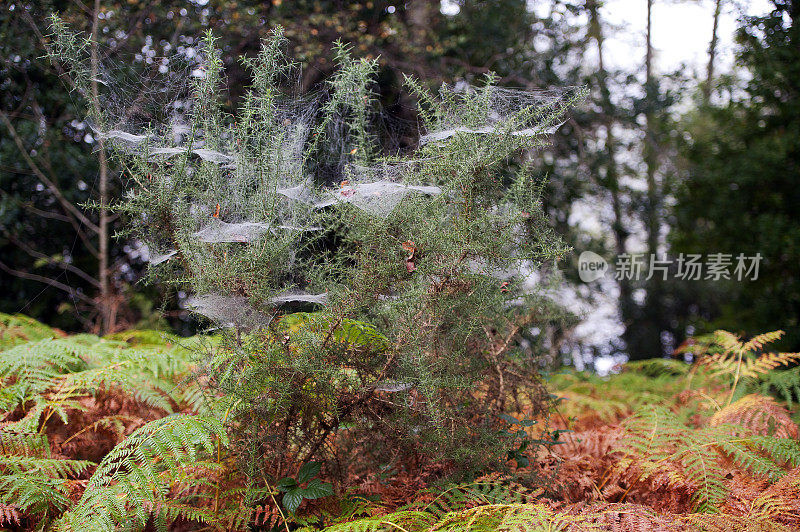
(740,194)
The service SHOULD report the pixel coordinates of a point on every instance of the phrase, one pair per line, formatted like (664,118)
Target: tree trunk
(105,303)
(647,342)
(650,148)
(611,181)
(712,52)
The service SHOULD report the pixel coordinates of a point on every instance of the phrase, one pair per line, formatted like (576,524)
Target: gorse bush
(413,267)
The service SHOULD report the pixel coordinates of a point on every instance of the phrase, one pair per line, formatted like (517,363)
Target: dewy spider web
(495,112)
(252,183)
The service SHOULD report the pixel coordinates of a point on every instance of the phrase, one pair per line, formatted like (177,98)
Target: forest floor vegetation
(90,425)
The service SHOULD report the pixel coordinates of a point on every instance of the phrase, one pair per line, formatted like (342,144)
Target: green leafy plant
(144,476)
(305,486)
(33,482)
(483,505)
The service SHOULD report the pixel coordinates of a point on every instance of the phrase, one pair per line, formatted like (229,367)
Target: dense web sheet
(158,258)
(527,132)
(228,311)
(237,311)
(218,231)
(300,297)
(379,198)
(495,110)
(393,387)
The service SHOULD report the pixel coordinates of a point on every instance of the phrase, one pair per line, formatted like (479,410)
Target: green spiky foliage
(657,442)
(432,279)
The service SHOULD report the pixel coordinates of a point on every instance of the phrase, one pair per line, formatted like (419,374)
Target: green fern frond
(781,450)
(23,444)
(134,480)
(408,520)
(45,466)
(31,421)
(32,481)
(149,391)
(34,365)
(783,384)
(728,523)
(703,469)
(18,329)
(482,491)
(657,367)
(35,493)
(517,517)
(483,518)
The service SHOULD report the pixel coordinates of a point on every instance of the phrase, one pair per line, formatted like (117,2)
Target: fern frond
(34,365)
(9,514)
(758,342)
(30,422)
(746,454)
(728,341)
(146,389)
(767,362)
(703,470)
(758,414)
(24,444)
(783,384)
(781,450)
(490,489)
(45,466)
(655,436)
(521,517)
(729,523)
(408,520)
(133,480)
(34,493)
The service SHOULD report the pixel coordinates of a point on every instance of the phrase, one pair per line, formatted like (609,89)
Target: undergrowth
(112,433)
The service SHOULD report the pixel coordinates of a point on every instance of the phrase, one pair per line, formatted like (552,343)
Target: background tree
(740,194)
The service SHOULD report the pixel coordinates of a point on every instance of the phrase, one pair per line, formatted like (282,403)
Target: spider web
(150,113)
